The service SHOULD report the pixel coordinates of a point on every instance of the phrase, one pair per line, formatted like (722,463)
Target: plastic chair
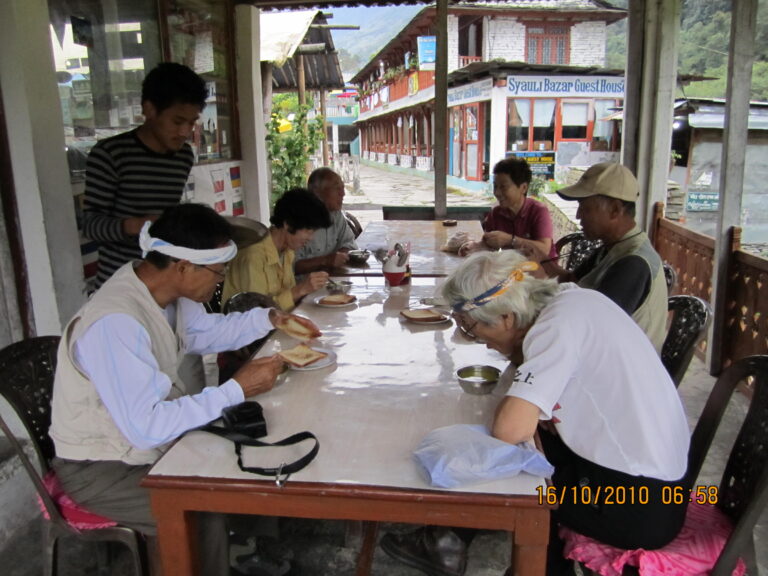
(353,223)
(577,248)
(670,275)
(689,322)
(229,362)
(26,382)
(743,491)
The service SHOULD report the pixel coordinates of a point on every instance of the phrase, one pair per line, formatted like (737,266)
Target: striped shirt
(125,179)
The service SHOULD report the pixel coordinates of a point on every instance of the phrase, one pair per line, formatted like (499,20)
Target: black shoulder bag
(244,423)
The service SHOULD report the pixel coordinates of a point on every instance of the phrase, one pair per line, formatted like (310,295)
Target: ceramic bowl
(478,379)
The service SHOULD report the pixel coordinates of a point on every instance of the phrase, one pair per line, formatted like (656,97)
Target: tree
(289,151)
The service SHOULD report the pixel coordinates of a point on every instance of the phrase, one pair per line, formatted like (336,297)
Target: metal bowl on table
(358,256)
(338,286)
(478,379)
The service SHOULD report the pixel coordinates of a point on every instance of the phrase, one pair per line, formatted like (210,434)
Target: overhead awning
(717,121)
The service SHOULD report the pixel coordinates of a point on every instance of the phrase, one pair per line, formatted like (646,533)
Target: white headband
(211,256)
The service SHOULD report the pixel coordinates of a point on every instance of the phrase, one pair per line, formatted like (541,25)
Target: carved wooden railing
(745,330)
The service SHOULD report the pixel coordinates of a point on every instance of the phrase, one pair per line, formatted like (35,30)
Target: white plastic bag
(464,454)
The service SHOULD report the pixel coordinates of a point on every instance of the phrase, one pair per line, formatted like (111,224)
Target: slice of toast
(422,315)
(293,328)
(301,355)
(337,299)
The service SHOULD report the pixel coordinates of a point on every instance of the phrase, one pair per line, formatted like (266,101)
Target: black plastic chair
(743,491)
(26,382)
(229,362)
(688,324)
(353,223)
(575,249)
(670,276)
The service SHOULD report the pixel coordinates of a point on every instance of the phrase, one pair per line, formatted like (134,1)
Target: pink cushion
(693,552)
(75,515)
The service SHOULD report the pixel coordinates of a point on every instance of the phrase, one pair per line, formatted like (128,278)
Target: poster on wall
(238,209)
(219,203)
(427,47)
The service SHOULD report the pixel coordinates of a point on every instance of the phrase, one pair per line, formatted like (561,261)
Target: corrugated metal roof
(282,36)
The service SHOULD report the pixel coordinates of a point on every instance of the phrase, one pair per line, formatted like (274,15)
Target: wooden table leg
(177,537)
(529,542)
(367,549)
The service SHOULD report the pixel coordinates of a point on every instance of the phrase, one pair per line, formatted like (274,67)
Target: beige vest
(81,426)
(651,315)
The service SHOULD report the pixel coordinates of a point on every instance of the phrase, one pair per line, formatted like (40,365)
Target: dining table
(384,384)
(427,239)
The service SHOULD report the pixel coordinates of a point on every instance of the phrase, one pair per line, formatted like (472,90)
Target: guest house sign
(565,86)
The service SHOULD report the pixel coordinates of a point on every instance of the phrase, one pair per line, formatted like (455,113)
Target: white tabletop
(392,383)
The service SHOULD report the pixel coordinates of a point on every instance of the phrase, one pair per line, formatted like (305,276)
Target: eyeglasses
(220,273)
(466,330)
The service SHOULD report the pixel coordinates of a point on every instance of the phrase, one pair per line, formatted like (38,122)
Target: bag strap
(241,440)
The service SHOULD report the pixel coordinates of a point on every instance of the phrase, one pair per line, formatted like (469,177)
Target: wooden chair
(576,249)
(26,382)
(690,317)
(742,494)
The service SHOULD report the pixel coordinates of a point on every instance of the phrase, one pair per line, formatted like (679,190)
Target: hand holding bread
(298,327)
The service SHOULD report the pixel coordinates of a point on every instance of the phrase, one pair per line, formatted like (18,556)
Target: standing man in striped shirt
(134,176)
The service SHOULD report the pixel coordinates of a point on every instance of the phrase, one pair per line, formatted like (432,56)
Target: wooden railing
(745,330)
(467,60)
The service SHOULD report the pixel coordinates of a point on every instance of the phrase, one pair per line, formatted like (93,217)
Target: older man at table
(607,412)
(329,246)
(626,268)
(118,402)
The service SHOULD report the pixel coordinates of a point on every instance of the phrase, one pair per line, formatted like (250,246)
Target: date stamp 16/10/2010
(621,495)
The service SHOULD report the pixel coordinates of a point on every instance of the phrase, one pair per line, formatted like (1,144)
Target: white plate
(329,360)
(428,322)
(318,303)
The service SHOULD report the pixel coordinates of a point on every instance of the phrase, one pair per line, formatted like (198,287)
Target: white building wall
(498,145)
(504,38)
(44,198)
(588,44)
(453,43)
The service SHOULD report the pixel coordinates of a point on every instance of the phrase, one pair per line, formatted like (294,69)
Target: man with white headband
(118,401)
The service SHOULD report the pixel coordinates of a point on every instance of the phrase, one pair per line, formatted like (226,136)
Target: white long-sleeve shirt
(116,355)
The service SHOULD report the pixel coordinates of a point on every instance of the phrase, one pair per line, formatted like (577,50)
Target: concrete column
(253,132)
(498,118)
(43,193)
(741,55)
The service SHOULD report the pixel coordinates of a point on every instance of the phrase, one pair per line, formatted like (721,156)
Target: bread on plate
(301,355)
(337,299)
(422,315)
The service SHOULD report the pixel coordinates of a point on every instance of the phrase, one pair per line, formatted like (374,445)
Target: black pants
(646,518)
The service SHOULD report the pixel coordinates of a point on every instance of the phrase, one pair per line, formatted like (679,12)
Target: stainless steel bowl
(358,256)
(478,379)
(339,286)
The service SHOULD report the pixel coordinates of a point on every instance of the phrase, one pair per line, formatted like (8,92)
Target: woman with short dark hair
(267,266)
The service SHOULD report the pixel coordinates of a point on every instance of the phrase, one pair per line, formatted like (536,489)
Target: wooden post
(302,80)
(325,128)
(741,54)
(441,110)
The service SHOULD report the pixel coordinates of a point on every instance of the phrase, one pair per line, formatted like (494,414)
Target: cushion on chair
(693,552)
(76,516)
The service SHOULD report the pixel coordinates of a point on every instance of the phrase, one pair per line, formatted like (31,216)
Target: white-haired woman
(610,414)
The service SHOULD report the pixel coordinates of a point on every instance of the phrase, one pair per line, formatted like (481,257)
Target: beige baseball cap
(604,179)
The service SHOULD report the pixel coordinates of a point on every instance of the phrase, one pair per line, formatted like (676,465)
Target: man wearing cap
(118,401)
(329,246)
(626,268)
